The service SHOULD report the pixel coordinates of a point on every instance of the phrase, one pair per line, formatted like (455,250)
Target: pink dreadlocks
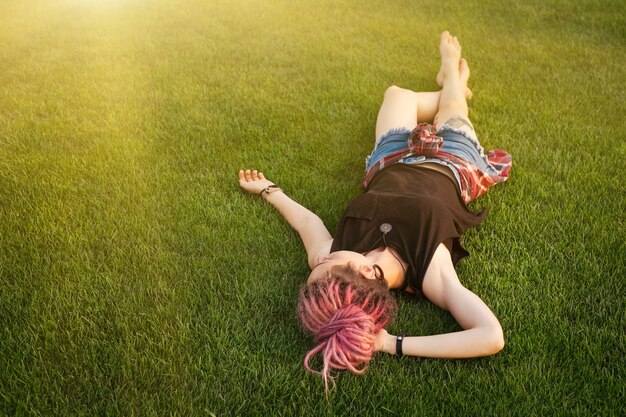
(344,312)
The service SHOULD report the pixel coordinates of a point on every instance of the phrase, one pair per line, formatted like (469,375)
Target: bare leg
(455,73)
(406,108)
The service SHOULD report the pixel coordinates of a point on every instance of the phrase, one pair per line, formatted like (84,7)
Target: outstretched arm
(314,235)
(481,334)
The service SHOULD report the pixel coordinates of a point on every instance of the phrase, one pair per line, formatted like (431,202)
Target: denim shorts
(458,142)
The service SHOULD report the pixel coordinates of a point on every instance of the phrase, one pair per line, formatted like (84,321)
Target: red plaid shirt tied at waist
(423,141)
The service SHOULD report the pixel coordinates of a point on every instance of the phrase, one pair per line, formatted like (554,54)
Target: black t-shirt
(411,210)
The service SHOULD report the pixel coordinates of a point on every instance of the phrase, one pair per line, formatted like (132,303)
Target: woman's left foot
(464,73)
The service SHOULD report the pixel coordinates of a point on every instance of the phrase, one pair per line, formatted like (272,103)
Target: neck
(392,267)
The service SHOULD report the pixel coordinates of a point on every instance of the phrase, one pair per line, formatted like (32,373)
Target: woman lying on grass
(402,232)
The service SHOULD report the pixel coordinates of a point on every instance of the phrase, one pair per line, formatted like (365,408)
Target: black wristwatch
(399,340)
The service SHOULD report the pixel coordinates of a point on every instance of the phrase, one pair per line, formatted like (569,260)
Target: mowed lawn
(136,279)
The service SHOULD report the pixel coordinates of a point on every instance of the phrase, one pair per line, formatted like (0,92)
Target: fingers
(250,175)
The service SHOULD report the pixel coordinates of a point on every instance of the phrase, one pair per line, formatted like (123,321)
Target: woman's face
(357,261)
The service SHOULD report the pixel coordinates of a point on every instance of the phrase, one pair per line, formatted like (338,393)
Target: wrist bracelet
(270,189)
(399,340)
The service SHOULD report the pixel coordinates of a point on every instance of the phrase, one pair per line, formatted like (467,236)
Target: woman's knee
(398,95)
(392,89)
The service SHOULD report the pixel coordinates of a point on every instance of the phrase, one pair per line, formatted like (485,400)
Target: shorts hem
(473,140)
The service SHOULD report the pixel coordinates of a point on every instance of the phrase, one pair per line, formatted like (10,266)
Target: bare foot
(464,74)
(450,50)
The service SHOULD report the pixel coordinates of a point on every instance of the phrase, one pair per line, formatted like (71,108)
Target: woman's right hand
(253,181)
(381,341)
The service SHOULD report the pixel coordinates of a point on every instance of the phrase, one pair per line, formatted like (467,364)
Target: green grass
(137,279)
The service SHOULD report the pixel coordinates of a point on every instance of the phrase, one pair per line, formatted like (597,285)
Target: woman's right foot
(450,51)
(451,61)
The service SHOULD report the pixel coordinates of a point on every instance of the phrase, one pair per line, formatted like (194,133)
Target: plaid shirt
(423,141)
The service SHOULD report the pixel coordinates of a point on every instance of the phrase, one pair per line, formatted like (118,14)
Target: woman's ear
(367,272)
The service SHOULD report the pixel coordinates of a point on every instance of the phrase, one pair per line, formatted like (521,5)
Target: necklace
(386,228)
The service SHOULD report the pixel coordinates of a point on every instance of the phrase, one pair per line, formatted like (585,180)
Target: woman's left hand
(253,181)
